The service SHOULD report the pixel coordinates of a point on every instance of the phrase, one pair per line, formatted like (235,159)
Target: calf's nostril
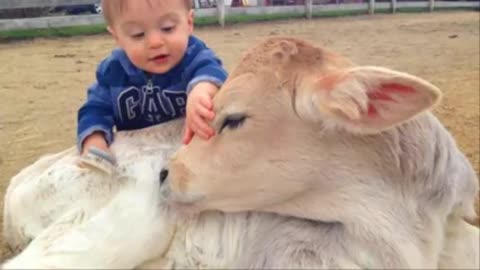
(163,175)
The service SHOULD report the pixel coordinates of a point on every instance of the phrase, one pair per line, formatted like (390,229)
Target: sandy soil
(43,82)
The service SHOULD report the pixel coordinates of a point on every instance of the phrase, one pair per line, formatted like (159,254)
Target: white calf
(77,218)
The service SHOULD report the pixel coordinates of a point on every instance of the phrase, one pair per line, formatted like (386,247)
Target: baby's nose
(155,40)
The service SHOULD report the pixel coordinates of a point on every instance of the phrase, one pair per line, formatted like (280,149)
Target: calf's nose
(163,175)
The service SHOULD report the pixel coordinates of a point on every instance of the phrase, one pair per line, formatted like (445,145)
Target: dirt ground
(43,82)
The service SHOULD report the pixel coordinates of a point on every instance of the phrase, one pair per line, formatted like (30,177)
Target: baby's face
(154,33)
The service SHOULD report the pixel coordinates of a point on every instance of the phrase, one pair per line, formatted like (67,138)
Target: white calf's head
(293,117)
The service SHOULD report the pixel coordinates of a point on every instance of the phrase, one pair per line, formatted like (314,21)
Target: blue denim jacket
(127,98)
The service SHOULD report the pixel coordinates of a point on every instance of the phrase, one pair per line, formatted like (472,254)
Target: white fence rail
(13,4)
(221,11)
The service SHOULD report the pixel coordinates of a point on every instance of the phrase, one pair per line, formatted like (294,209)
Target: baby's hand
(97,140)
(95,154)
(199,112)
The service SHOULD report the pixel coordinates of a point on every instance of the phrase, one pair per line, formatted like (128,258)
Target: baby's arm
(95,120)
(207,77)
(95,124)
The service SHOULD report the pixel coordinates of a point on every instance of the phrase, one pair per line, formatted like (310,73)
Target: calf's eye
(233,121)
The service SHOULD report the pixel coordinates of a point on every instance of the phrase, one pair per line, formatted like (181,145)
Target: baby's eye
(168,29)
(137,35)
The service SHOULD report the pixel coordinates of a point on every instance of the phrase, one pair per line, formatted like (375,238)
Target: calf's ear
(364,99)
(283,52)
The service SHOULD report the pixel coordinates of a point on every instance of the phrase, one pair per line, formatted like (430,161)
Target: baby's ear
(190,20)
(113,33)
(366,99)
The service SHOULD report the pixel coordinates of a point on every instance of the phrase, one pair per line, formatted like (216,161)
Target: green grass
(52,32)
(204,21)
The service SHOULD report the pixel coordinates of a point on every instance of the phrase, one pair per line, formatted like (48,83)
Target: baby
(159,72)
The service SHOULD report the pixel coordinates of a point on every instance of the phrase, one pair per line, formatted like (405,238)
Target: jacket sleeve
(206,67)
(96,114)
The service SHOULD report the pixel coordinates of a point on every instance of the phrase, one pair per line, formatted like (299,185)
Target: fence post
(261,3)
(196,4)
(393,6)
(221,12)
(308,8)
(431,5)
(371,7)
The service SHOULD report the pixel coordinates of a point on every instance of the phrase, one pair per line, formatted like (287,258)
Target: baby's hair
(112,7)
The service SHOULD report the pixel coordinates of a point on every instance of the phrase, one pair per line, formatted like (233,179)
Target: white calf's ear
(365,99)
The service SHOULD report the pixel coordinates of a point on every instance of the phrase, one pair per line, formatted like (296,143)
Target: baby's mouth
(159,58)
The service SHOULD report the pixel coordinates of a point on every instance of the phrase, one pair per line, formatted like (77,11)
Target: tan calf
(304,132)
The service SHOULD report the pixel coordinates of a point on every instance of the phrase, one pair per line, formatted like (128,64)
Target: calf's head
(291,118)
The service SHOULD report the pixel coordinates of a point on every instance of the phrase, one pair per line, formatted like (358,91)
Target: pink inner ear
(383,93)
(372,111)
(379,95)
(395,87)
